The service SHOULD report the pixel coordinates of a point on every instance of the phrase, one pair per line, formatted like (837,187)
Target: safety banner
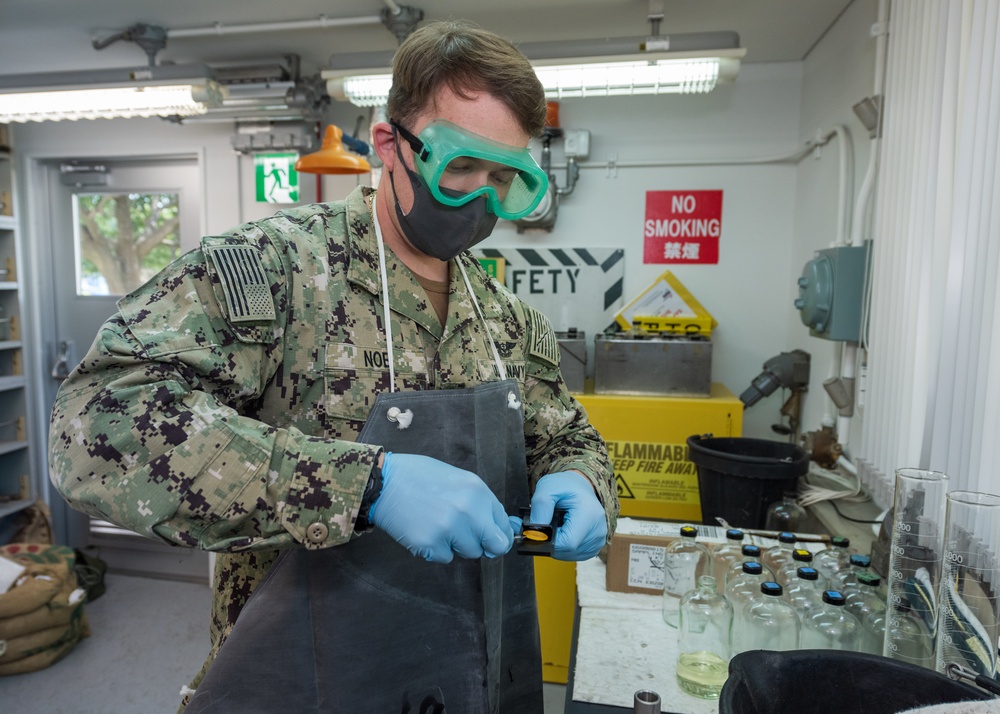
(573,287)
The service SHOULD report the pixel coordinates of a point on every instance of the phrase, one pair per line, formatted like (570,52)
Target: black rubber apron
(365,627)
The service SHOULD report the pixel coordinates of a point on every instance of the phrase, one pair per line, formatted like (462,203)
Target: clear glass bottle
(848,578)
(770,623)
(873,636)
(831,627)
(800,557)
(703,640)
(684,561)
(907,637)
(750,554)
(776,556)
(805,592)
(740,591)
(833,559)
(865,598)
(725,554)
(784,515)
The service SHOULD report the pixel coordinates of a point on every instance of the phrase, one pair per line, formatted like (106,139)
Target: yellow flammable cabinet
(647,442)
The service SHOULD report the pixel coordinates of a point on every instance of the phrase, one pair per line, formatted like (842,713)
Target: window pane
(124,239)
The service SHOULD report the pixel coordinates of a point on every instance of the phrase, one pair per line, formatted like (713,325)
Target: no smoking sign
(682,226)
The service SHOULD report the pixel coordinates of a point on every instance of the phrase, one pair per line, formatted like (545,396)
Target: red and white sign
(682,226)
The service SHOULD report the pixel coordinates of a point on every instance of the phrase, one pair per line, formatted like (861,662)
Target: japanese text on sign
(682,226)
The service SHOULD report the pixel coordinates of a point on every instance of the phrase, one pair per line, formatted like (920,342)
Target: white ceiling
(53,35)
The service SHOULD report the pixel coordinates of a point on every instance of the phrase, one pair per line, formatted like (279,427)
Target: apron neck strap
(385,296)
(486,328)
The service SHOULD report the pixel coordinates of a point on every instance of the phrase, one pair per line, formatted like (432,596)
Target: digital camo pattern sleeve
(558,435)
(158,429)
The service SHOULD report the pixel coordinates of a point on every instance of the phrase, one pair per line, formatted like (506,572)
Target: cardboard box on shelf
(636,553)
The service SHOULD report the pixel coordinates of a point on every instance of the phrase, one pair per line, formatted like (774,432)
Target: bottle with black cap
(770,622)
(831,627)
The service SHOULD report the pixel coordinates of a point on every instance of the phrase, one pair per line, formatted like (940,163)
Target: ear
(385,144)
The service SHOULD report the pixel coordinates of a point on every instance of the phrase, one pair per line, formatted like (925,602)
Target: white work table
(622,645)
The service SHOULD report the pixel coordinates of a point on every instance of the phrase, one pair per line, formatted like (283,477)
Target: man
(348,367)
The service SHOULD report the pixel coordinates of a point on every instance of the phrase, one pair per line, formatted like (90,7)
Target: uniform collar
(363,271)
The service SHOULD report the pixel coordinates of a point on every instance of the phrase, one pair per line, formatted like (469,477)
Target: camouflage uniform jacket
(219,407)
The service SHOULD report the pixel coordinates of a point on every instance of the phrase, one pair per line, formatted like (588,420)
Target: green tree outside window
(125,239)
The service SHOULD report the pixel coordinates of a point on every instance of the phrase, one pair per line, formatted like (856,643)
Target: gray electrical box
(831,292)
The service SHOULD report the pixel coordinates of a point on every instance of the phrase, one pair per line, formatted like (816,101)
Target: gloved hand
(436,510)
(585,527)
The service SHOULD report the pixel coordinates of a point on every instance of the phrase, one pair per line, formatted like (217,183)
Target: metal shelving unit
(16,484)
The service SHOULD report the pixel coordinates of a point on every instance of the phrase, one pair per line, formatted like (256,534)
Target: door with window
(114,224)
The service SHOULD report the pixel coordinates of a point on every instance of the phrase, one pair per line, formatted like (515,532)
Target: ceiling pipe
(563,49)
(609,46)
(322,22)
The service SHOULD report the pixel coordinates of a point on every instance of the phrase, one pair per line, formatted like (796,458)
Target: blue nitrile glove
(436,510)
(585,527)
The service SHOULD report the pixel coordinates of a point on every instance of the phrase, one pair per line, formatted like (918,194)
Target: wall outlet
(576,143)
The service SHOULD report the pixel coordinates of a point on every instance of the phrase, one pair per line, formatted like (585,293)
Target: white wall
(838,73)
(749,290)
(773,215)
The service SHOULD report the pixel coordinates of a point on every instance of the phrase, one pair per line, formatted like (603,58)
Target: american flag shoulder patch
(542,343)
(244,282)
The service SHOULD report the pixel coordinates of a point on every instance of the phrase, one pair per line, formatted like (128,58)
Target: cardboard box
(636,553)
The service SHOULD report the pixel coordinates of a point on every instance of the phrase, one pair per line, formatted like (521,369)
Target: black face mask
(435,229)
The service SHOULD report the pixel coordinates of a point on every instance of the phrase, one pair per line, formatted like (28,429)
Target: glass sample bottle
(777,556)
(784,515)
(770,623)
(805,592)
(847,579)
(684,561)
(800,557)
(725,554)
(865,598)
(833,559)
(740,591)
(873,633)
(703,640)
(831,627)
(749,553)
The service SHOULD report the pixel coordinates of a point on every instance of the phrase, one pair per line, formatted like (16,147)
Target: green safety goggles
(457,166)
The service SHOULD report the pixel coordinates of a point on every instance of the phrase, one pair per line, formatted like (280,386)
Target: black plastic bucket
(738,478)
(834,682)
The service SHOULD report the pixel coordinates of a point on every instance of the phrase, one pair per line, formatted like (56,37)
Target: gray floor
(149,637)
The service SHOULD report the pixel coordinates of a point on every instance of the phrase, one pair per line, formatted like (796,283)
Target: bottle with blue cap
(775,557)
(749,553)
(805,592)
(725,554)
(831,626)
(770,623)
(800,557)
(741,591)
(847,579)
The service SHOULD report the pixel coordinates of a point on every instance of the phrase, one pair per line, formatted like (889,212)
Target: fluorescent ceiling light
(170,90)
(644,73)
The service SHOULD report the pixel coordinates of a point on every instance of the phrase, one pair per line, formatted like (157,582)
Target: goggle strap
(416,144)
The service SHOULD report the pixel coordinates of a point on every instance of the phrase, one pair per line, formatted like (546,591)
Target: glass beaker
(969,604)
(915,558)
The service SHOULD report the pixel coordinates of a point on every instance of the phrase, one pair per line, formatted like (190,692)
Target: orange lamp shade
(332,158)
